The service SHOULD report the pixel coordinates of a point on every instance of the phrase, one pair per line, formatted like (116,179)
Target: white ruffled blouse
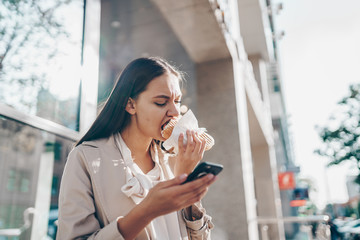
(137,187)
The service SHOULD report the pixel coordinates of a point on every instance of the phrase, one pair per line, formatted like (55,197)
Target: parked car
(350,229)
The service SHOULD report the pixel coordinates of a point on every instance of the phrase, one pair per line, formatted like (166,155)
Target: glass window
(40,58)
(26,157)
(57,151)
(11,184)
(55,186)
(18,180)
(24,181)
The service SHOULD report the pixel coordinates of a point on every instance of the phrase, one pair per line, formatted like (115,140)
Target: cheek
(157,117)
(152,116)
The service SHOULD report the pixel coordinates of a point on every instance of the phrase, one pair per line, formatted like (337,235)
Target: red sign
(297,203)
(286,180)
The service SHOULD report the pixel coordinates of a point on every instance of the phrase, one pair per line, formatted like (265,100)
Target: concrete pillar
(225,200)
(90,71)
(264,187)
(260,74)
(265,177)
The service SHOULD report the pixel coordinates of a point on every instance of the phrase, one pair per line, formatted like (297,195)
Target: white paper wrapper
(186,122)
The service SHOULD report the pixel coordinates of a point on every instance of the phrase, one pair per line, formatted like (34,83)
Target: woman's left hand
(189,154)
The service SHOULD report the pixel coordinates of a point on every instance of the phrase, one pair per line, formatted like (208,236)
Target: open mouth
(164,125)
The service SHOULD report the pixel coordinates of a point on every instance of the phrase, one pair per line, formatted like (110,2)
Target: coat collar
(100,143)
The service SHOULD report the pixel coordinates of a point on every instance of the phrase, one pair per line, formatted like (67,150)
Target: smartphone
(202,169)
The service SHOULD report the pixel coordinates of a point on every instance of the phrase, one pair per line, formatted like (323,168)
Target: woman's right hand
(171,195)
(166,197)
(190,154)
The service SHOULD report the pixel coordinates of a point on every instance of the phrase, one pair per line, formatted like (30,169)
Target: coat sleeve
(77,212)
(198,223)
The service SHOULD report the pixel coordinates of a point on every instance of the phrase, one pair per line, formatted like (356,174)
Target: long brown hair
(131,82)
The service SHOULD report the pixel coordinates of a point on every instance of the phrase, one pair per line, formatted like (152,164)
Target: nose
(174,110)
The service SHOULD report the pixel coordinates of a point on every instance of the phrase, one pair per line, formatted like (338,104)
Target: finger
(189,195)
(205,181)
(203,146)
(184,193)
(189,140)
(203,139)
(212,180)
(181,143)
(193,198)
(200,195)
(198,184)
(175,181)
(197,142)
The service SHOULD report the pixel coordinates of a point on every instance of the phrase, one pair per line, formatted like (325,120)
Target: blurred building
(228,50)
(350,208)
(282,140)
(354,195)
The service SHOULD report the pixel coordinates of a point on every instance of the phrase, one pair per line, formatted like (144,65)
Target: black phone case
(202,169)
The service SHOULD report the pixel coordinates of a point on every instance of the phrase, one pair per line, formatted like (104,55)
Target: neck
(137,143)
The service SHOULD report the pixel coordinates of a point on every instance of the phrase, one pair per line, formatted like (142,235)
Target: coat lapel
(107,172)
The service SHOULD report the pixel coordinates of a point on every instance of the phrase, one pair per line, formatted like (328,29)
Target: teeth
(164,125)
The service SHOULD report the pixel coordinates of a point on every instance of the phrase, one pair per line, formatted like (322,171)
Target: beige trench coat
(91,199)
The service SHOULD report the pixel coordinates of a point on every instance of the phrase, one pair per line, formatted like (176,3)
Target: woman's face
(159,103)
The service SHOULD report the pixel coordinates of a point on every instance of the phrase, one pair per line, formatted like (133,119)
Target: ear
(130,106)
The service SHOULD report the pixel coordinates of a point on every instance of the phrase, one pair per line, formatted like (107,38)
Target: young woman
(118,183)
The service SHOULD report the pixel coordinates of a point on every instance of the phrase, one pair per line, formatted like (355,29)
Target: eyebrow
(166,97)
(162,96)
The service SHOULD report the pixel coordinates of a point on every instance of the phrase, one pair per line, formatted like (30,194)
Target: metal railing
(322,231)
(16,232)
(38,122)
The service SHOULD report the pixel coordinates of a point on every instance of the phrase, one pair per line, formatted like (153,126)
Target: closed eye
(161,104)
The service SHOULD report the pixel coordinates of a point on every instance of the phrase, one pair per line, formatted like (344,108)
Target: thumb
(175,181)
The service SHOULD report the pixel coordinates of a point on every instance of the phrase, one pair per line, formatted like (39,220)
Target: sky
(320,58)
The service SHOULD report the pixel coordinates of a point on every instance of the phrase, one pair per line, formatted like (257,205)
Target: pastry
(167,131)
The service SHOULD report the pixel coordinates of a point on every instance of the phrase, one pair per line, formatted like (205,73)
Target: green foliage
(341,138)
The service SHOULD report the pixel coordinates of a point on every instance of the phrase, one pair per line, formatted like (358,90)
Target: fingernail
(183,176)
(210,176)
